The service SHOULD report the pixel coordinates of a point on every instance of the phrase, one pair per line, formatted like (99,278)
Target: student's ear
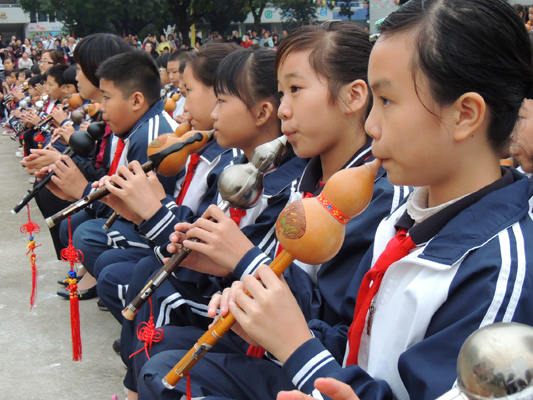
(138,101)
(466,115)
(263,112)
(354,96)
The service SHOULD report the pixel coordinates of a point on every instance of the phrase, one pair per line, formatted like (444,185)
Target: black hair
(177,55)
(204,66)
(95,49)
(14,71)
(184,58)
(478,46)
(162,61)
(35,80)
(57,56)
(134,71)
(69,76)
(56,72)
(9,58)
(22,71)
(339,52)
(35,69)
(250,76)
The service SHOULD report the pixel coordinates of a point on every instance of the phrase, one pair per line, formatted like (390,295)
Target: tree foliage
(297,12)
(346,9)
(86,17)
(256,8)
(224,12)
(185,13)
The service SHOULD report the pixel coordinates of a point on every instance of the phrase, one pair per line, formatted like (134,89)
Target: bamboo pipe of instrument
(181,130)
(240,186)
(156,161)
(310,230)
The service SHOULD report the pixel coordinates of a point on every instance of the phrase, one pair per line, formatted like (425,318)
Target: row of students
(236,96)
(328,131)
(450,259)
(128,93)
(431,134)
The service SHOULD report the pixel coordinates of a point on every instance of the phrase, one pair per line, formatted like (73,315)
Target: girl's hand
(68,179)
(195,260)
(17,93)
(221,301)
(65,132)
(331,387)
(59,115)
(116,203)
(33,119)
(268,314)
(137,191)
(84,125)
(40,158)
(222,241)
(40,89)
(180,119)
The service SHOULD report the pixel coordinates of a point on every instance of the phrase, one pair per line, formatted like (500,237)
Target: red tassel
(74,316)
(39,138)
(189,394)
(30,228)
(70,254)
(33,281)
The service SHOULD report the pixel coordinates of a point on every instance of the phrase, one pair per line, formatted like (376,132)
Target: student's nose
(284,110)
(372,127)
(214,113)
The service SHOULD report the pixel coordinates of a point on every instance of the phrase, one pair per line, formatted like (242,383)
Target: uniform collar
(471,221)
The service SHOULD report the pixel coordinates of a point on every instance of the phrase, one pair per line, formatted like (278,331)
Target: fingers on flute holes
(213,306)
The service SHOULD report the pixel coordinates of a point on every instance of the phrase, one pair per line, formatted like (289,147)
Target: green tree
(297,12)
(86,17)
(256,8)
(345,9)
(226,11)
(187,12)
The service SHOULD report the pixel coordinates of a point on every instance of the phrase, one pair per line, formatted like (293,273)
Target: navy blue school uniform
(184,296)
(469,269)
(116,268)
(319,289)
(90,237)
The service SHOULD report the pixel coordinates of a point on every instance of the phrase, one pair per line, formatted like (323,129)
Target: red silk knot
(30,228)
(147,333)
(236,215)
(334,211)
(72,255)
(397,248)
(39,138)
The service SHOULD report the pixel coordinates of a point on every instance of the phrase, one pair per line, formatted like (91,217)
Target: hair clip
(374,38)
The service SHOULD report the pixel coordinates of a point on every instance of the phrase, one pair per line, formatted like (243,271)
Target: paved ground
(35,346)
